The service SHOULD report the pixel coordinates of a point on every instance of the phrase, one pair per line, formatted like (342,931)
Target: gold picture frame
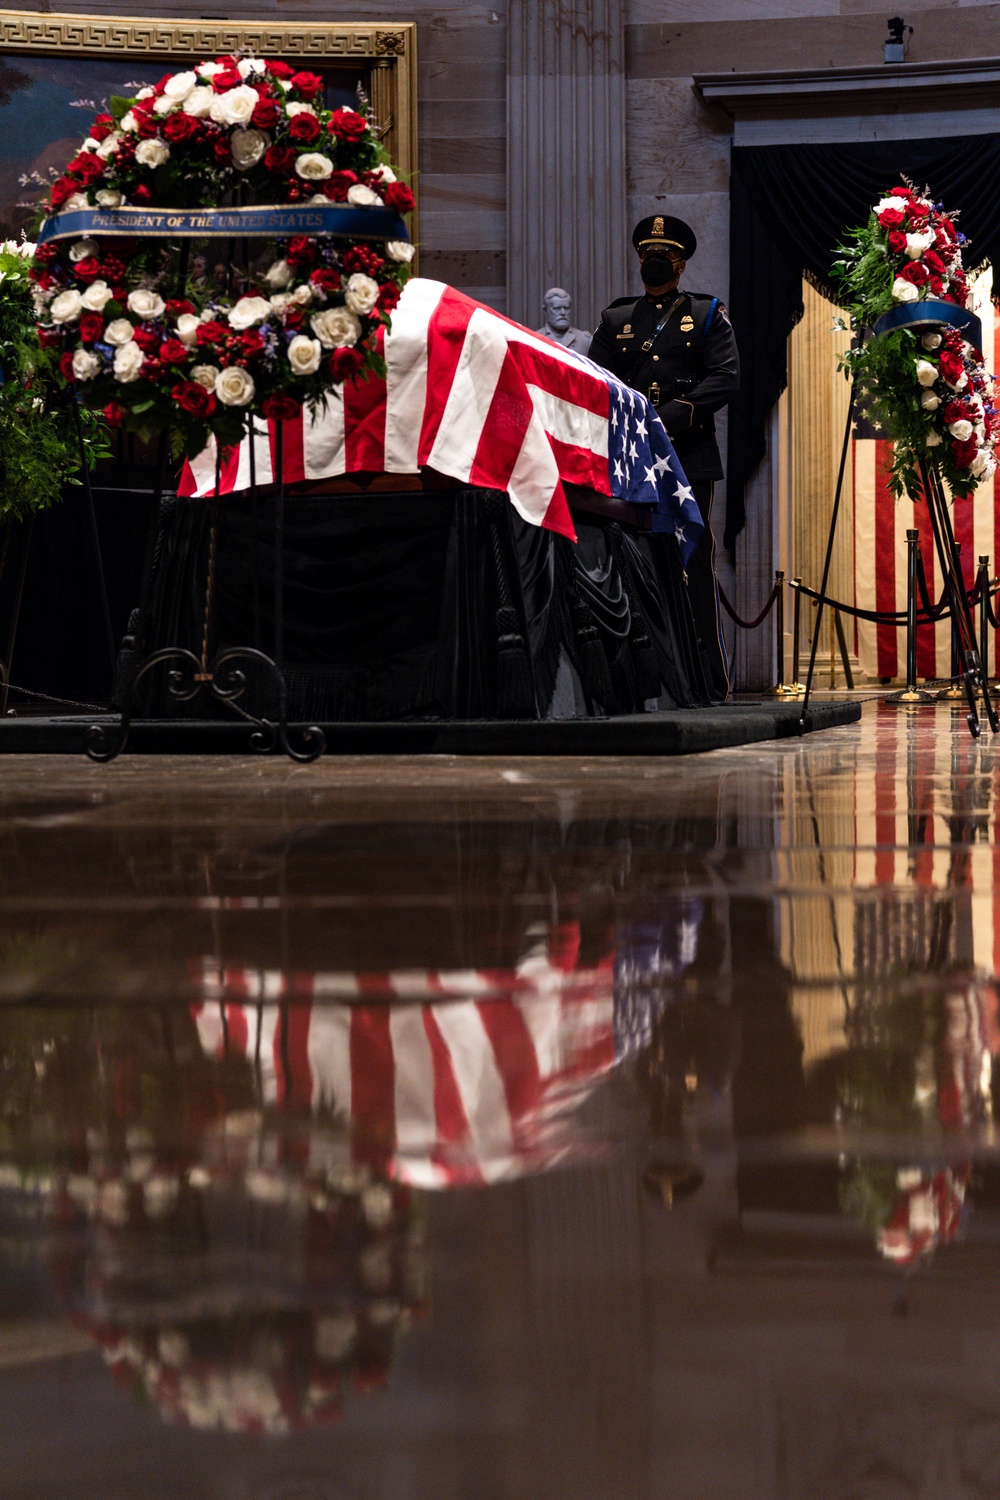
(382,54)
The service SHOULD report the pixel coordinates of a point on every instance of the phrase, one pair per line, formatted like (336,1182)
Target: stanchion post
(779,690)
(955,691)
(911,693)
(797,687)
(983,580)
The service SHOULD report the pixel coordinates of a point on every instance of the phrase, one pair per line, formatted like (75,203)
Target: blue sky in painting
(43,112)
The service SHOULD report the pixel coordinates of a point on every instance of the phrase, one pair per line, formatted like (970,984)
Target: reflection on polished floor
(487,1130)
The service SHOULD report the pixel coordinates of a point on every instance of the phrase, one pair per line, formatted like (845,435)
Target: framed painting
(57,70)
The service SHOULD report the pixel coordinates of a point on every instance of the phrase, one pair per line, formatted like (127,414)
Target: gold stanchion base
(954,693)
(795,690)
(910,696)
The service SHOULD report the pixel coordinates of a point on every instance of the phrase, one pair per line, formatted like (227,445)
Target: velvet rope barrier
(759,619)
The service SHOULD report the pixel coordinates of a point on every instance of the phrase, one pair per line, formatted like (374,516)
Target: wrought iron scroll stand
(973,676)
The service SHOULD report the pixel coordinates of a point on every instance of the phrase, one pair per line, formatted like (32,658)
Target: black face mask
(658,270)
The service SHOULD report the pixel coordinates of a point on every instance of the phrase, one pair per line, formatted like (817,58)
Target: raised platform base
(683,731)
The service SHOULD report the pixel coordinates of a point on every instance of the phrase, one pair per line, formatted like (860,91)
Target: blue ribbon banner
(228,223)
(930,316)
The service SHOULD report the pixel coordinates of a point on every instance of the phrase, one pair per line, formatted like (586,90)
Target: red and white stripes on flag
(880,526)
(448,1089)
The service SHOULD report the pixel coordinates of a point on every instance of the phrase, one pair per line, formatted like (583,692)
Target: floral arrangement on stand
(928,390)
(39,444)
(142,333)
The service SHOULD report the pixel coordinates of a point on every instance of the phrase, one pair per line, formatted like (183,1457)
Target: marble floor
(404,1128)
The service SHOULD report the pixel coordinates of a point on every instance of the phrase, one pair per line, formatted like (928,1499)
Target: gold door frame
(390,48)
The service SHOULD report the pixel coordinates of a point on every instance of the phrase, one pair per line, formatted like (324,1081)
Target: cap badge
(658,226)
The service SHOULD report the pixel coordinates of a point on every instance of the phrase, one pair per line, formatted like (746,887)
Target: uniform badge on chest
(687,323)
(626,332)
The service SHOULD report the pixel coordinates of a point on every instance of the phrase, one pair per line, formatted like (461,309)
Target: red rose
(193,399)
(280,407)
(307,84)
(953,412)
(43,279)
(301,250)
(294,314)
(345,363)
(337,185)
(159,87)
(947,228)
(347,124)
(891,218)
(326,280)
(934,263)
(146,127)
(937,286)
(173,352)
(91,327)
(179,127)
(897,241)
(266,114)
(279,69)
(142,107)
(221,150)
(398,196)
(251,341)
(66,365)
(88,269)
(388,296)
(49,338)
(147,338)
(228,79)
(176,306)
(279,158)
(305,129)
(141,194)
(916,272)
(152,369)
(101,128)
(964,453)
(87,166)
(114,414)
(211,333)
(951,366)
(62,189)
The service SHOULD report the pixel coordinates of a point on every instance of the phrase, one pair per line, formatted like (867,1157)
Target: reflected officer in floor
(677,348)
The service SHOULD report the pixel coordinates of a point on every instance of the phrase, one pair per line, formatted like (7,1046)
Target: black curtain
(790,208)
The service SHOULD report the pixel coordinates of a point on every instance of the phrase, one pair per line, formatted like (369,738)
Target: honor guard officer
(678,348)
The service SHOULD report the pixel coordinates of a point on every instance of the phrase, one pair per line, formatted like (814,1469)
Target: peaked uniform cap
(672,234)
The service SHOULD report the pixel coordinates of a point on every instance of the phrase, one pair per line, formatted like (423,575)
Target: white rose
(248,65)
(119,333)
(109,146)
(85,364)
(983,465)
(279,303)
(302,295)
(234,387)
(314,166)
(931,340)
(163,105)
(297,108)
(362,197)
(933,439)
(248,146)
(178,87)
(146,93)
(278,275)
(129,360)
(926,372)
(187,328)
(66,308)
(208,69)
(146,304)
(82,249)
(128,122)
(916,244)
(199,102)
(234,107)
(361,294)
(384,174)
(884,203)
(962,430)
(304,354)
(90,144)
(152,153)
(335,327)
(206,375)
(904,291)
(247,311)
(400,250)
(97,296)
(75,203)
(109,198)
(929,401)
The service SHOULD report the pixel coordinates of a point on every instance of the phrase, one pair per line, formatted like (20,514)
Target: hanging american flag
(476,397)
(880,526)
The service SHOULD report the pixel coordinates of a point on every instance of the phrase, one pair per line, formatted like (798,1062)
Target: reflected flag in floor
(444,1078)
(880,526)
(474,396)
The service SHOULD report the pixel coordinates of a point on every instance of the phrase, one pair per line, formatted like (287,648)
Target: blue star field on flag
(645,470)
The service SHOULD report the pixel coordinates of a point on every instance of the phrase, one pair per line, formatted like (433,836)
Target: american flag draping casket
(476,397)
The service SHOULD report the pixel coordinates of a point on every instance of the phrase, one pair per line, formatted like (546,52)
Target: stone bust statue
(556,307)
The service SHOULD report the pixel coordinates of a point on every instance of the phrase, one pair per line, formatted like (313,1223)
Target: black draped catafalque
(677,347)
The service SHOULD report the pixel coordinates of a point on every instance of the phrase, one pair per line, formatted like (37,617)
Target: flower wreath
(927,389)
(141,332)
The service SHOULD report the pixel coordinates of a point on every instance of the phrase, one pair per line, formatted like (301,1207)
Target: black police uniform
(689,371)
